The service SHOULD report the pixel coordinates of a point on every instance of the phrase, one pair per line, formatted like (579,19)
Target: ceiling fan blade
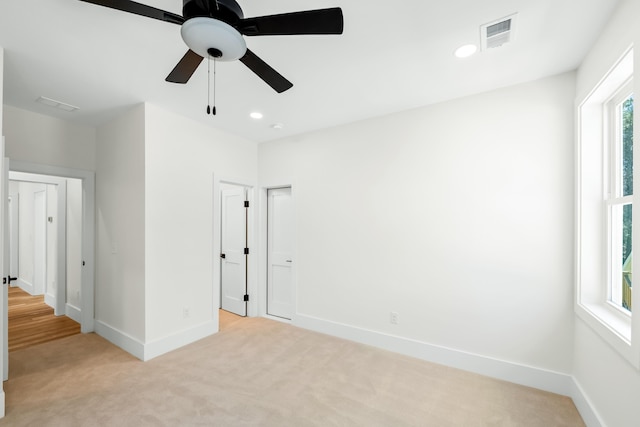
(321,21)
(139,9)
(183,71)
(265,72)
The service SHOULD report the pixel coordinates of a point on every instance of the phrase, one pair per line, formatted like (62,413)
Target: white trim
(172,342)
(585,407)
(116,337)
(24,285)
(542,379)
(277,319)
(73,313)
(591,269)
(50,300)
(158,347)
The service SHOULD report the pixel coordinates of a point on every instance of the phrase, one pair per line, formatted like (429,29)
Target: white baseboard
(1,403)
(172,342)
(155,348)
(73,313)
(120,339)
(50,301)
(542,379)
(25,286)
(584,406)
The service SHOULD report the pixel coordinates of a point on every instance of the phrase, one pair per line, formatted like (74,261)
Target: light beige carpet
(258,372)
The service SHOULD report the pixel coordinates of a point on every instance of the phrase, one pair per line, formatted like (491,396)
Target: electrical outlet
(394,318)
(185,313)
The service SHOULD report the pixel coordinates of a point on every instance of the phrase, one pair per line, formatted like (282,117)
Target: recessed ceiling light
(466,51)
(256,115)
(277,126)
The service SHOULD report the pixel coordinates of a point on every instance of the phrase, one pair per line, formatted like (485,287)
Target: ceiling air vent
(497,33)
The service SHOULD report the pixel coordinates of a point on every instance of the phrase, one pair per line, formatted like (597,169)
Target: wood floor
(32,322)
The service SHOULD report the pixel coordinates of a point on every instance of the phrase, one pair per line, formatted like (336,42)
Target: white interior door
(280,237)
(233,241)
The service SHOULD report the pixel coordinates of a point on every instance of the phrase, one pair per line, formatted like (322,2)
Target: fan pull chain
(208,85)
(209,109)
(214,87)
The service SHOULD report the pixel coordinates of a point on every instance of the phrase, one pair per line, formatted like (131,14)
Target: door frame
(263,275)
(233,211)
(40,250)
(13,219)
(87,288)
(61,227)
(252,264)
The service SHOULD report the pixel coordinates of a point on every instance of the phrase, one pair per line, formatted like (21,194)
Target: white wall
(607,379)
(456,216)
(120,199)
(182,159)
(156,182)
(35,138)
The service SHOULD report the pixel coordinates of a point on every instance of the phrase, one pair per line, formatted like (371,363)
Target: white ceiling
(393,56)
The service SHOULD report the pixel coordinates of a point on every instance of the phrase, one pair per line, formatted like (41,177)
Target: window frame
(614,195)
(593,246)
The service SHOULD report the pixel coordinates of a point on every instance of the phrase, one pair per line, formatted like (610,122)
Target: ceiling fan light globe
(202,33)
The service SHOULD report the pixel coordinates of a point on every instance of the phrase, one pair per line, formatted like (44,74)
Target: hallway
(32,322)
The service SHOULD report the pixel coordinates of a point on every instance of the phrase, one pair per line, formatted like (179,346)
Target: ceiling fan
(214,28)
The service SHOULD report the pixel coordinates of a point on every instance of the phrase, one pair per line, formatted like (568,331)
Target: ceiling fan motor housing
(208,29)
(228,11)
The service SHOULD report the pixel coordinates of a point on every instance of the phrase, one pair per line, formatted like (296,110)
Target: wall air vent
(56,104)
(497,33)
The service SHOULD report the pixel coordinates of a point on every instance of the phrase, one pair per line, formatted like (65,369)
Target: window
(605,214)
(619,143)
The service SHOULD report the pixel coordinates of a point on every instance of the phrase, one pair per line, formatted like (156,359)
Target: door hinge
(223,256)
(83,263)
(246,251)
(246,203)
(246,298)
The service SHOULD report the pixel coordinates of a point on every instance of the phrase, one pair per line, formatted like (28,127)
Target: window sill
(612,327)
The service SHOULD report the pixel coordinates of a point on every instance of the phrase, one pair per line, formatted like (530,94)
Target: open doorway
(87,285)
(237,252)
(45,240)
(234,248)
